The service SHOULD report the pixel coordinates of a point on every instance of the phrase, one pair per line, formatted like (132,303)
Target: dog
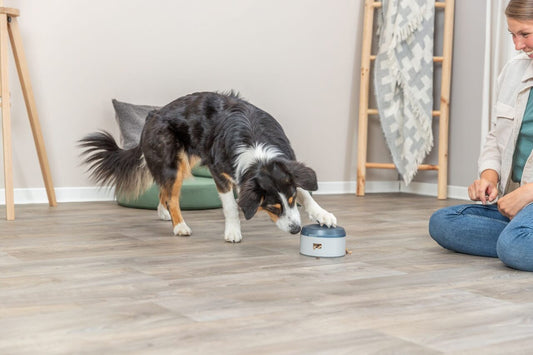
(243,146)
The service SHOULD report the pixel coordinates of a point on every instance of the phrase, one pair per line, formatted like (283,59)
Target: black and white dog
(243,147)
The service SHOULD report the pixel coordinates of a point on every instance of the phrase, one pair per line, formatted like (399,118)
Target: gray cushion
(130,119)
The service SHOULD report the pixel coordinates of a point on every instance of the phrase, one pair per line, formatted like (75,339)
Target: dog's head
(271,187)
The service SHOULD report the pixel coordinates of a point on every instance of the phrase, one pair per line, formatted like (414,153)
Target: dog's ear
(304,177)
(250,198)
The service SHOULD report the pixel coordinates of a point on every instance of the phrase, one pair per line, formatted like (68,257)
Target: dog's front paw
(182,229)
(163,213)
(323,217)
(233,235)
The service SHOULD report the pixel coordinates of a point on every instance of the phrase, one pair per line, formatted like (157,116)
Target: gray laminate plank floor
(96,278)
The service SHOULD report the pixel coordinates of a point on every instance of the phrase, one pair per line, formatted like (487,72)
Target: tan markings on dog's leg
(229,179)
(224,183)
(184,165)
(194,160)
(173,201)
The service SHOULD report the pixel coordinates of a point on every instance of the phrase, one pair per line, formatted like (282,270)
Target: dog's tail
(109,165)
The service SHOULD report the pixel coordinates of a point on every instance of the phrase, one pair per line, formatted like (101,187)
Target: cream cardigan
(512,95)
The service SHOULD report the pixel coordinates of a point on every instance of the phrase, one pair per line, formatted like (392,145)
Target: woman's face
(522,32)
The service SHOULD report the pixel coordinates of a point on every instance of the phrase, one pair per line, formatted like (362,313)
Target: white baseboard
(86,194)
(349,187)
(417,188)
(427,189)
(63,194)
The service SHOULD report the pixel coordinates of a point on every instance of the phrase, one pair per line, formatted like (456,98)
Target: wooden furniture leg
(24,77)
(442,183)
(362,140)
(6,119)
(9,29)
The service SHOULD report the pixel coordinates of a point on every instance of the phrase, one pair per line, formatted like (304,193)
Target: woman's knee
(437,219)
(440,220)
(439,226)
(515,248)
(470,229)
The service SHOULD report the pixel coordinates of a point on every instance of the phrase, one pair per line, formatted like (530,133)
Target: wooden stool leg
(362,132)
(24,77)
(445,100)
(6,120)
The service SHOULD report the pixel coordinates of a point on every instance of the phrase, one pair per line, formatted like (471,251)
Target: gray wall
(467,89)
(298,59)
(295,59)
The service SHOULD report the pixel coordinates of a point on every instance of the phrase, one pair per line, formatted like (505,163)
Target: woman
(501,227)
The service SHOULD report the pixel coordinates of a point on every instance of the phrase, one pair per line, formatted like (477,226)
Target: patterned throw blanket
(403,81)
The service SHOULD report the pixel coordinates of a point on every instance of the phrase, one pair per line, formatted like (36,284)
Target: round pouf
(322,241)
(198,193)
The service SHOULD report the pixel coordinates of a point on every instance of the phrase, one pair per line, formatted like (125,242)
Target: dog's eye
(275,209)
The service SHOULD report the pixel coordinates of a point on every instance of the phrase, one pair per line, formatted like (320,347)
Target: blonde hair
(520,10)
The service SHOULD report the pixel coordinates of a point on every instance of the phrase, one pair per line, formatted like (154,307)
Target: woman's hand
(484,189)
(512,203)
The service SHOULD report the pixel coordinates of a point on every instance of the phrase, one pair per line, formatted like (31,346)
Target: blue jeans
(482,230)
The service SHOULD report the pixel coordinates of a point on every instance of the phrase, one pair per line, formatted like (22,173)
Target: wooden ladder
(9,27)
(442,113)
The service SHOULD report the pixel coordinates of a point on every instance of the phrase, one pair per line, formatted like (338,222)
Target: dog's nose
(295,229)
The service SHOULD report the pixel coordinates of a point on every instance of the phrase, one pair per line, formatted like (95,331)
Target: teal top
(524,143)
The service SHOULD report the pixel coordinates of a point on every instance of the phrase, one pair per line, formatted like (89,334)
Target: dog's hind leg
(170,198)
(162,211)
(315,212)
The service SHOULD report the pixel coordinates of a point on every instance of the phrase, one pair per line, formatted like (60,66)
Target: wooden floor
(96,278)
